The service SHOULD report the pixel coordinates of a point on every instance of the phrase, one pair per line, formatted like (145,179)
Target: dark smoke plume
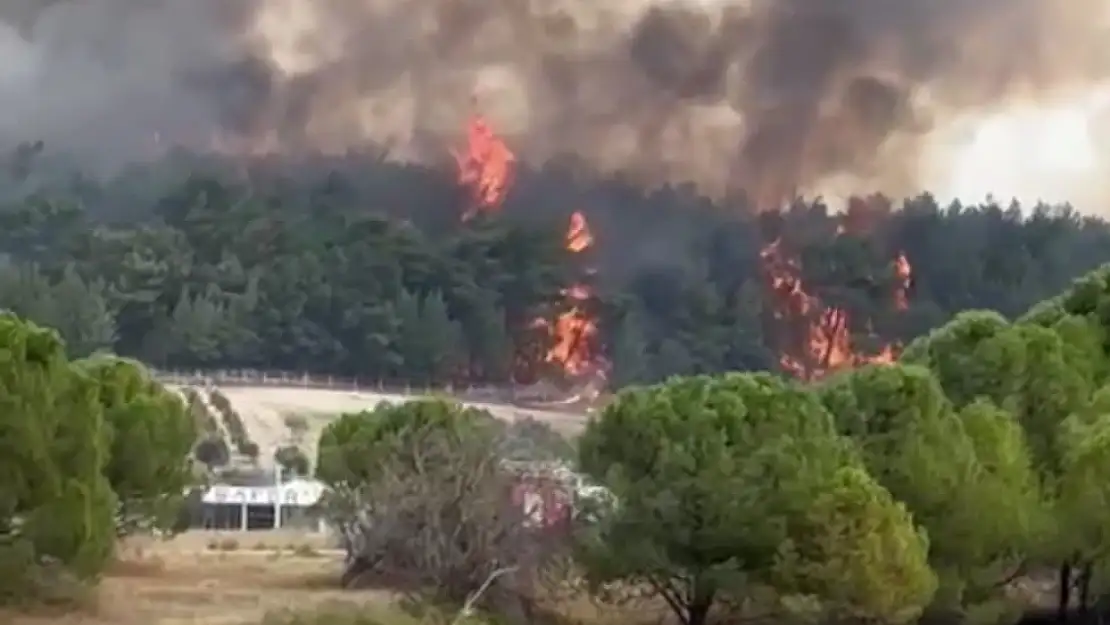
(769,97)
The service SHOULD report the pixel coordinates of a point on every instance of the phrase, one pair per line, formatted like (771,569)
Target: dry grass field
(260,578)
(213,579)
(265,409)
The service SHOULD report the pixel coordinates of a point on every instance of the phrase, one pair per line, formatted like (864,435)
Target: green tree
(292,460)
(352,447)
(152,437)
(443,335)
(213,452)
(196,326)
(1083,535)
(1027,369)
(411,340)
(629,354)
(951,471)
(710,475)
(56,501)
(491,347)
(860,553)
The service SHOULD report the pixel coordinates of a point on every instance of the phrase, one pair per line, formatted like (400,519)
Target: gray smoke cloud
(769,97)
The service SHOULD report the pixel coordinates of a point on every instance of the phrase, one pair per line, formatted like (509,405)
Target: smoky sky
(768,97)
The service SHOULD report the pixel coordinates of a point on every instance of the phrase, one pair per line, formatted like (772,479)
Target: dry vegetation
(203,577)
(229,578)
(265,411)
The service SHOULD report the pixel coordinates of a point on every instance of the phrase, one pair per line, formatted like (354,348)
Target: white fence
(287,379)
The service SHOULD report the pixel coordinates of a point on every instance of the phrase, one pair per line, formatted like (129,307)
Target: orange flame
(485,167)
(825,343)
(574,331)
(579,237)
(903,271)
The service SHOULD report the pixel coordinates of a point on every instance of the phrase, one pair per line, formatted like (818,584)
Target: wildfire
(825,341)
(579,237)
(904,273)
(485,167)
(574,331)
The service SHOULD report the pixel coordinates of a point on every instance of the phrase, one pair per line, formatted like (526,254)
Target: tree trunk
(1085,588)
(701,600)
(355,569)
(1064,592)
(698,612)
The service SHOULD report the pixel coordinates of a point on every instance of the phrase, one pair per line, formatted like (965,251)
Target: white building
(224,506)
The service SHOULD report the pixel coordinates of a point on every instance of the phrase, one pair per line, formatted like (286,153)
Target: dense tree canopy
(357,266)
(88,451)
(151,436)
(57,499)
(717,476)
(880,493)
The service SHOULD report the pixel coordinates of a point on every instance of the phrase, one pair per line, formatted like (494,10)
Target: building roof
(299,492)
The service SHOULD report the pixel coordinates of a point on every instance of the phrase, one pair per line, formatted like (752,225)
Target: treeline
(964,484)
(360,267)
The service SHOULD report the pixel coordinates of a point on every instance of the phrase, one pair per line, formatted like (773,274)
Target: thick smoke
(769,97)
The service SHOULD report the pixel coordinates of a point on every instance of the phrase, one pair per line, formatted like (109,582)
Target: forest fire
(485,168)
(574,331)
(903,271)
(818,337)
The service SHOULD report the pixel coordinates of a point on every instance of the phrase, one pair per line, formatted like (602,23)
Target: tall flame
(485,167)
(903,272)
(824,344)
(574,331)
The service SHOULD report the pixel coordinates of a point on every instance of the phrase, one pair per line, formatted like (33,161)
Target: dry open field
(211,578)
(264,410)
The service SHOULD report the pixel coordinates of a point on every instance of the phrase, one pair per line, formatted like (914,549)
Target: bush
(249,449)
(235,427)
(529,439)
(213,452)
(205,422)
(422,501)
(293,460)
(297,424)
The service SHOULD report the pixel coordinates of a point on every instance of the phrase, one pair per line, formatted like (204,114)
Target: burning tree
(485,169)
(424,503)
(816,337)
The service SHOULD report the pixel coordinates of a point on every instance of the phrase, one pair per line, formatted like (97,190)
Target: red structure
(547,503)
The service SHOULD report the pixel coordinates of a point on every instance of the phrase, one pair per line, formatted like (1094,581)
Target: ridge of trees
(360,267)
